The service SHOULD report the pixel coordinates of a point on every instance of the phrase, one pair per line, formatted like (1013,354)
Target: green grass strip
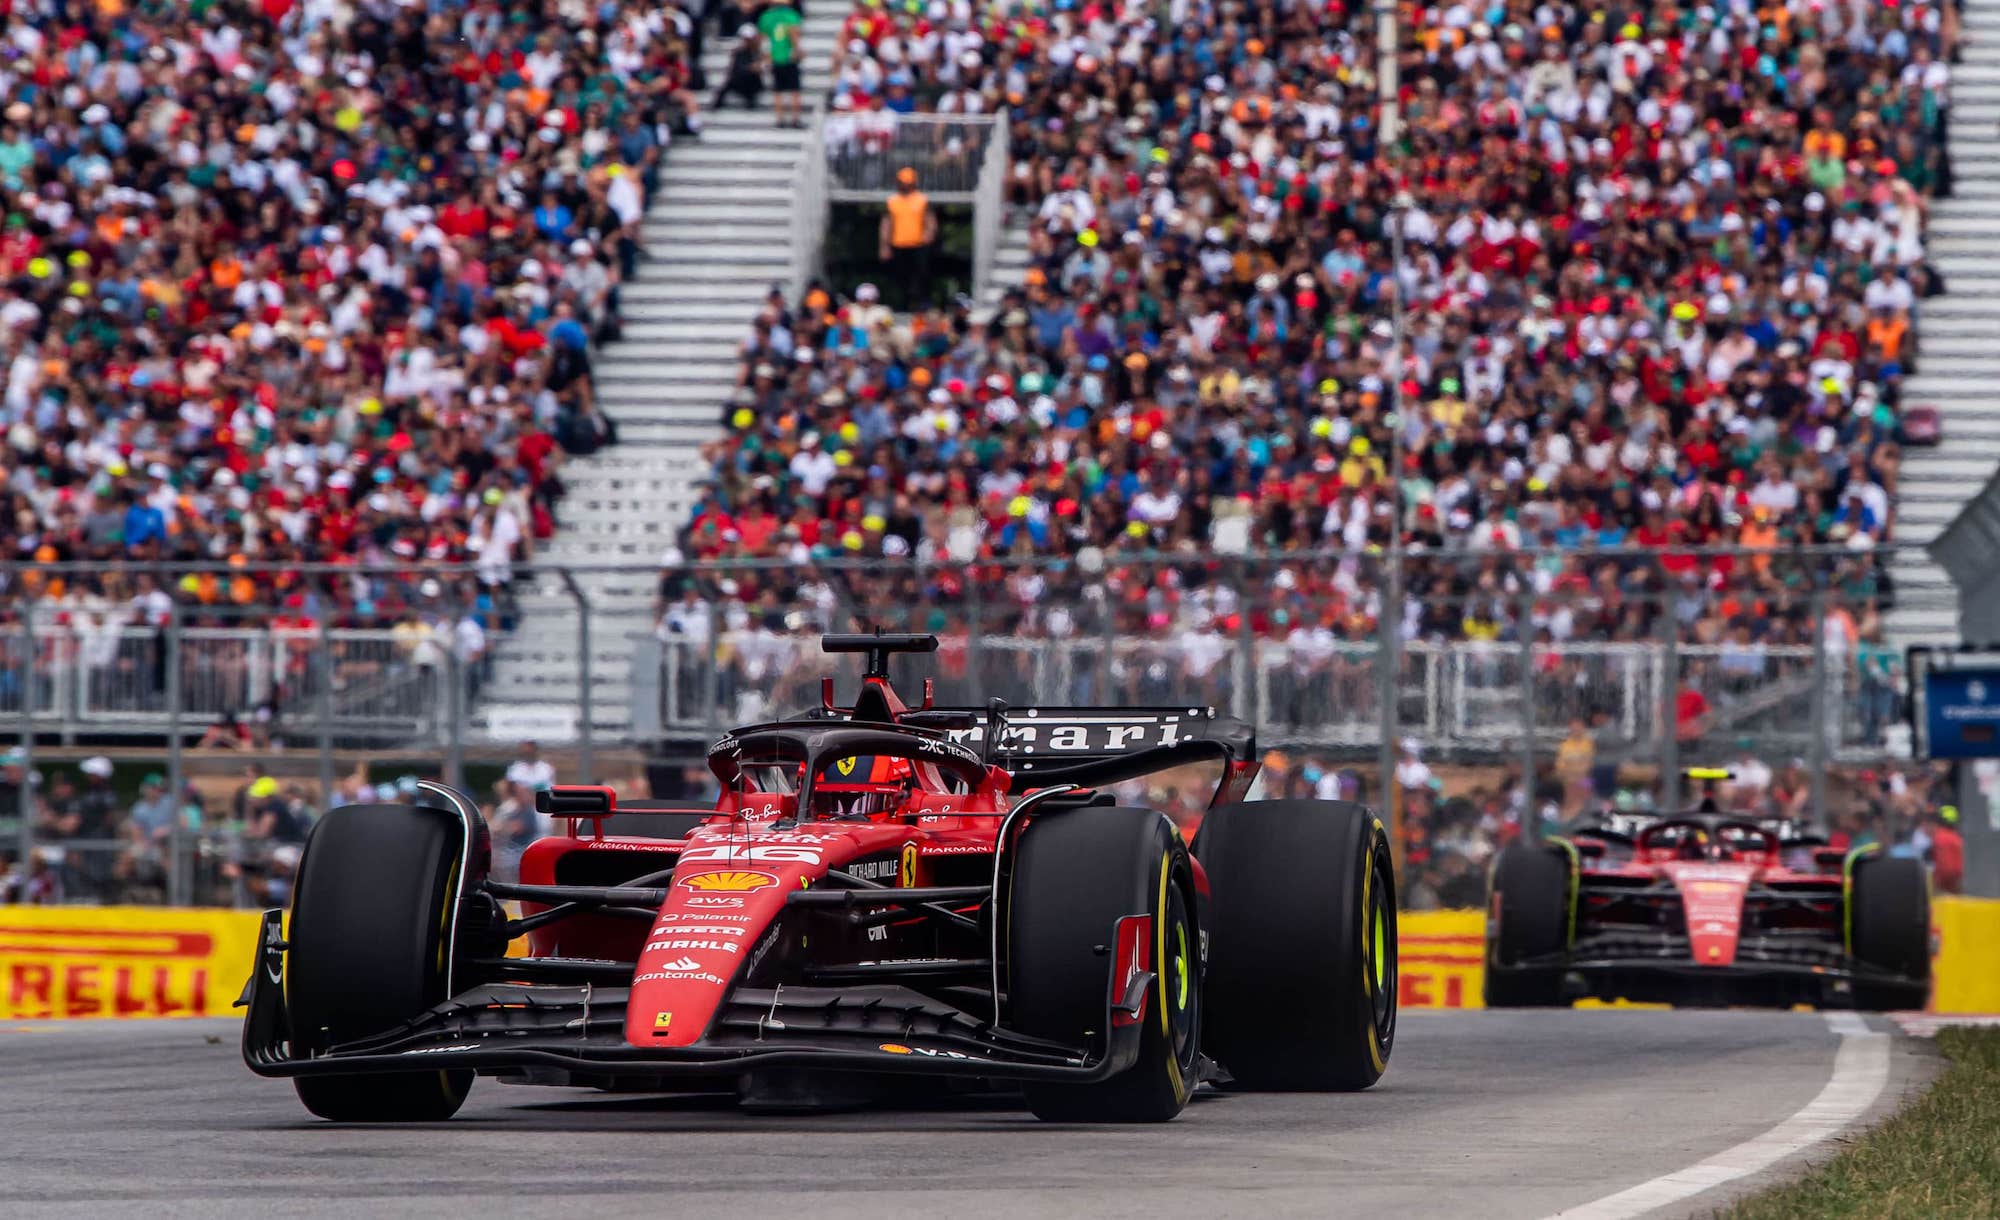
(1939,1156)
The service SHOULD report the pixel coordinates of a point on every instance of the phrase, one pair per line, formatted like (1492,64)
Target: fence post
(1243,690)
(454,715)
(1108,629)
(583,677)
(1670,684)
(1816,751)
(1388,715)
(1524,627)
(180,867)
(26,804)
(711,672)
(975,652)
(325,702)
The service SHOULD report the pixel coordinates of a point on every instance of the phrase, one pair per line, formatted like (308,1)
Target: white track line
(1860,1072)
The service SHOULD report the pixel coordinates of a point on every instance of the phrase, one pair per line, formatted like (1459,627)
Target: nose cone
(1712,901)
(704,933)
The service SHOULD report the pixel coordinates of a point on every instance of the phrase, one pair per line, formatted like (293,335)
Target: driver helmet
(860,786)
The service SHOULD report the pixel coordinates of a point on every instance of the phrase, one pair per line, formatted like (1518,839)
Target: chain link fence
(1497,665)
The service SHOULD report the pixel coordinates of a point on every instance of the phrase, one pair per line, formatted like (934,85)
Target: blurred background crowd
(302,282)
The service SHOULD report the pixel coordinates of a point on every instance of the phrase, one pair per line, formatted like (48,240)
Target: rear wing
(1093,747)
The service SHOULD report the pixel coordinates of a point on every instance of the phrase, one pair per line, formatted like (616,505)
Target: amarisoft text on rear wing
(1091,747)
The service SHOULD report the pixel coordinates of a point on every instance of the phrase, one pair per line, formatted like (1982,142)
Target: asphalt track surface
(1481,1114)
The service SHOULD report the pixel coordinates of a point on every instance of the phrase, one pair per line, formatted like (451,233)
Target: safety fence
(150,962)
(865,151)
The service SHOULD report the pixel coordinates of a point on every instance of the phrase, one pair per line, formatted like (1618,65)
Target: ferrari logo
(662,1021)
(845,766)
(906,875)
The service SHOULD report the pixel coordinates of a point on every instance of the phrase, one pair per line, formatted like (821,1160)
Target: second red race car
(883,896)
(1705,908)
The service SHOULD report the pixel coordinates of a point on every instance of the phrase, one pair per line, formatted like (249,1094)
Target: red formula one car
(1705,909)
(882,896)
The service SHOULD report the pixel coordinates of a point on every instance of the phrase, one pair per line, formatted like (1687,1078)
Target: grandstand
(509,308)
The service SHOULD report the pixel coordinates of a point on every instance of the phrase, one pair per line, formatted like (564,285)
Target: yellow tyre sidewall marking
(1174,1076)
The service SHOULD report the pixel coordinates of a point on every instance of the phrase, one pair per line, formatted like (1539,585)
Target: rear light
(1132,957)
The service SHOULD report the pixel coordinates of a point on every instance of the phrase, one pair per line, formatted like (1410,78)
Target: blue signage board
(1962,713)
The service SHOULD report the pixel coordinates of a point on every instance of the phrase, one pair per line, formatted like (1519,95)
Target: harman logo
(737,881)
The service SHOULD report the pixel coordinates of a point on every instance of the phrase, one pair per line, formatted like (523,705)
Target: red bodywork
(733,871)
(1707,895)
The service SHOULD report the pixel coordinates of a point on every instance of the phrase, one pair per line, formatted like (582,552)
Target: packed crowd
(302,281)
(1662,266)
(100,836)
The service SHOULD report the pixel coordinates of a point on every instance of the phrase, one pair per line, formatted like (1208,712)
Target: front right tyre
(369,950)
(1528,922)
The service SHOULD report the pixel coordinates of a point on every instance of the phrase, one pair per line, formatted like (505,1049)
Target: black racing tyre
(1301,978)
(1528,917)
(1075,874)
(368,950)
(1891,930)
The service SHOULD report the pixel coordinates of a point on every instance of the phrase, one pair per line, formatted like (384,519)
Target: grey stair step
(705,374)
(641,327)
(1924,467)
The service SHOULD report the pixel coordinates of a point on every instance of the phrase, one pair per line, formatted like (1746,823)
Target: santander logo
(682,962)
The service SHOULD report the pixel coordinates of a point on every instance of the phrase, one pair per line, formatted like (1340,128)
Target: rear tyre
(369,947)
(1075,875)
(1302,943)
(1527,914)
(1891,925)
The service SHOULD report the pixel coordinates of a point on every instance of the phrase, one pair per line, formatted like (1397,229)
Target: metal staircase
(718,237)
(1959,341)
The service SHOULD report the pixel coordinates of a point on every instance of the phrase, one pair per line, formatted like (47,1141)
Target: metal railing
(810,203)
(1285,640)
(989,211)
(952,154)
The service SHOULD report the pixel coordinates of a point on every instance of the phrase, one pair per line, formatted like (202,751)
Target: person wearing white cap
(1410,769)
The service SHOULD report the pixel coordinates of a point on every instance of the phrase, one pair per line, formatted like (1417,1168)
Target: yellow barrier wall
(1440,958)
(1441,955)
(1966,972)
(153,962)
(122,961)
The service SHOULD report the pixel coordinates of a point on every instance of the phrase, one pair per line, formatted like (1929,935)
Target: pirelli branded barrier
(122,961)
(1440,958)
(1965,975)
(159,962)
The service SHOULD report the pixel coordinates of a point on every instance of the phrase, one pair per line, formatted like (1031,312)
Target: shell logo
(738,881)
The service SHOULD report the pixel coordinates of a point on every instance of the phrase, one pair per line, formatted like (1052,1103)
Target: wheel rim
(1177,979)
(1382,941)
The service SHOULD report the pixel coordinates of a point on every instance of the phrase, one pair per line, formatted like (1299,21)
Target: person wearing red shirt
(1947,851)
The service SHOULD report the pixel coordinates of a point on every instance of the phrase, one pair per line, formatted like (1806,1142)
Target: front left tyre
(369,949)
(1075,875)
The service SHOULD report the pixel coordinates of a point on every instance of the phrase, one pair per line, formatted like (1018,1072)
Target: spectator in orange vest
(909,229)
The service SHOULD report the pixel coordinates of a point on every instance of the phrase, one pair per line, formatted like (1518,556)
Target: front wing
(1778,965)
(576,1035)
